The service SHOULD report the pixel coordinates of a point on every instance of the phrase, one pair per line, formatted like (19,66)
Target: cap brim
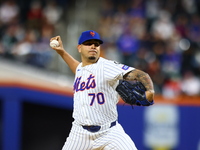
(100,41)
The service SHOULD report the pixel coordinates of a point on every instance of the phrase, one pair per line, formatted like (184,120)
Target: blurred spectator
(143,58)
(34,50)
(163,28)
(155,71)
(136,9)
(107,9)
(197,62)
(34,15)
(190,6)
(23,49)
(152,9)
(52,12)
(190,84)
(171,88)
(109,51)
(117,24)
(194,29)
(188,60)
(128,45)
(9,13)
(159,49)
(9,40)
(181,25)
(171,61)
(44,52)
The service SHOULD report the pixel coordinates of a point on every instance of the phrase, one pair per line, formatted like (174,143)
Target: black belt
(97,128)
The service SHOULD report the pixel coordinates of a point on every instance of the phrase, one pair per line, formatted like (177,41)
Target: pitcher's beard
(92,58)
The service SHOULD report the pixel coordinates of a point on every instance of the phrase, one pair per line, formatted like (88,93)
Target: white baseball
(54,43)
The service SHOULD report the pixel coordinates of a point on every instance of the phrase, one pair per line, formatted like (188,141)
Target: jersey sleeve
(115,71)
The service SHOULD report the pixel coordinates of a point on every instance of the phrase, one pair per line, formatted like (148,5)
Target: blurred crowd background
(160,37)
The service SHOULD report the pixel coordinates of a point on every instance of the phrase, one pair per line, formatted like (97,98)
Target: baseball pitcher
(97,86)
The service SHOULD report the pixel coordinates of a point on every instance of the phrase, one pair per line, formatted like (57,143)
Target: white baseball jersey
(95,97)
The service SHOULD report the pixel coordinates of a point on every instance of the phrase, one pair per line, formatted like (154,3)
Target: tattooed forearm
(140,76)
(145,79)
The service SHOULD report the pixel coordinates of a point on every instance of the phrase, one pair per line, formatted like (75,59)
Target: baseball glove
(133,93)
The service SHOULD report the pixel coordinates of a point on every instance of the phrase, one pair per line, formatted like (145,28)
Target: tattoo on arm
(141,76)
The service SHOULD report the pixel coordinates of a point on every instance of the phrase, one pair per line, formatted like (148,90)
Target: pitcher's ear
(79,48)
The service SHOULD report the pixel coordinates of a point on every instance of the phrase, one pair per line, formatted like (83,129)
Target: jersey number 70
(99,97)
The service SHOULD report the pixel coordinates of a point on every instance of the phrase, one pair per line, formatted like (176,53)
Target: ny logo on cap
(92,33)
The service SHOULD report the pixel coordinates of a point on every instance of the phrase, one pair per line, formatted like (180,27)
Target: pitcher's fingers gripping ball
(133,93)
(54,43)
